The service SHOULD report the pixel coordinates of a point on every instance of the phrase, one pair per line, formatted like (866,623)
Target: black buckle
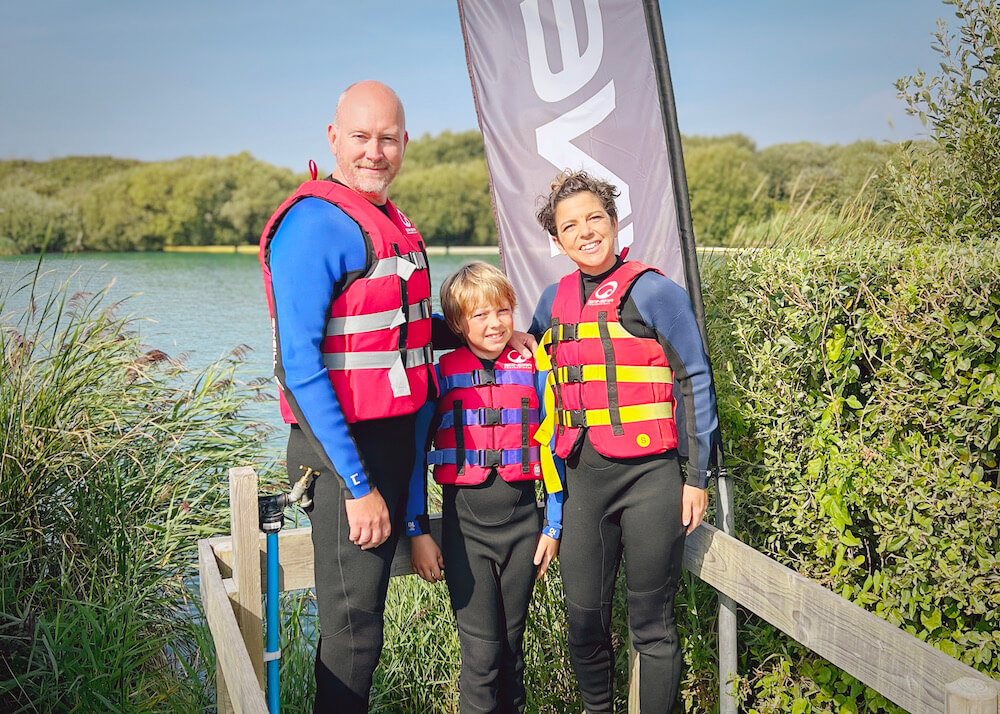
(574,373)
(577,418)
(488,458)
(489,417)
(485,377)
(568,332)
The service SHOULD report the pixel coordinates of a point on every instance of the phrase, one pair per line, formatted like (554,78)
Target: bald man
(349,294)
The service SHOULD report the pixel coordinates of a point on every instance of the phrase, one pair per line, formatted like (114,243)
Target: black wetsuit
(632,507)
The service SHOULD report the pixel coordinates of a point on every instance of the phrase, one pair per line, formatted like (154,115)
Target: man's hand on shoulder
(368,518)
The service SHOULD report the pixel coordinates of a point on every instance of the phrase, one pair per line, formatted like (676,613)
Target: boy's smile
(487,328)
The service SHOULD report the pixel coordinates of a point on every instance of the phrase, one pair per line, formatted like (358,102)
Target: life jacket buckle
(568,332)
(577,418)
(484,377)
(488,458)
(489,416)
(574,373)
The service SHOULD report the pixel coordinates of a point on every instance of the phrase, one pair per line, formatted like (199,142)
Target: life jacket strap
(623,373)
(486,377)
(484,458)
(385,320)
(396,361)
(401,265)
(486,416)
(580,418)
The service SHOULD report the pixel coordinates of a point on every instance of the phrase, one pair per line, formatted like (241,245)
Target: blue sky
(195,77)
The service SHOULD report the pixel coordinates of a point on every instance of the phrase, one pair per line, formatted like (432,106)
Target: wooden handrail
(902,668)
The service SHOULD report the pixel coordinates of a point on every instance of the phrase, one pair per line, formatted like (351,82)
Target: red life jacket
(486,418)
(617,385)
(376,345)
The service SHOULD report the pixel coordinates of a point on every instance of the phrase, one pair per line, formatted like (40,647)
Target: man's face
(368,139)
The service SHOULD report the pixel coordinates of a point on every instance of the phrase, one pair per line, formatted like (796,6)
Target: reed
(112,466)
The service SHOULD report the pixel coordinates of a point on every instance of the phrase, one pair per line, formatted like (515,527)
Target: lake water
(195,305)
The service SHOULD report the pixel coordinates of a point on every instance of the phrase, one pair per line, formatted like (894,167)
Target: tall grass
(112,465)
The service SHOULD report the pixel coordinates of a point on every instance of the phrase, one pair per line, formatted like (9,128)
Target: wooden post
(223,703)
(246,563)
(728,667)
(971,696)
(633,679)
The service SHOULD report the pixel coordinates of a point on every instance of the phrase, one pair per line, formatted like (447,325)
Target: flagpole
(724,500)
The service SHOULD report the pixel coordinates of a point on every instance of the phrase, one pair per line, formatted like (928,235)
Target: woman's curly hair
(569,183)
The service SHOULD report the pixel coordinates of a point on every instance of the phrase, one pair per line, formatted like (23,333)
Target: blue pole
(273,651)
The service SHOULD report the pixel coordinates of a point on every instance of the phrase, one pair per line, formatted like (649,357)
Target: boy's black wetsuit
(632,507)
(489,533)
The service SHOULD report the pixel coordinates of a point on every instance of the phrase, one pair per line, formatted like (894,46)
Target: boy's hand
(524,343)
(694,502)
(425,557)
(545,553)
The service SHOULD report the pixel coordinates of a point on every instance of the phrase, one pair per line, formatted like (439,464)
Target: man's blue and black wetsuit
(315,253)
(632,506)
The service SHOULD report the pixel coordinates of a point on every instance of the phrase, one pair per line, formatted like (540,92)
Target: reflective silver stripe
(385,320)
(391,361)
(404,266)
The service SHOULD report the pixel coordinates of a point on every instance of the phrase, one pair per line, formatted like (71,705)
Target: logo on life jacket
(516,357)
(406,222)
(602,296)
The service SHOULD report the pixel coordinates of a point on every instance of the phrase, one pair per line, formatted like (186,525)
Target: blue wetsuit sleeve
(666,307)
(552,526)
(543,312)
(316,246)
(416,498)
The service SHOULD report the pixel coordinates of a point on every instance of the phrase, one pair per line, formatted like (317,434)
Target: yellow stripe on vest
(638,412)
(623,373)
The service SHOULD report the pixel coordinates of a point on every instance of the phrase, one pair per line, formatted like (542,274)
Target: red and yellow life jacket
(616,385)
(377,342)
(486,418)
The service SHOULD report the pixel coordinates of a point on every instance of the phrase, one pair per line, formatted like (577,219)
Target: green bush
(953,190)
(112,466)
(858,386)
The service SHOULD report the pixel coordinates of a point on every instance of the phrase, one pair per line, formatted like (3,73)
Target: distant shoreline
(431,249)
(252,249)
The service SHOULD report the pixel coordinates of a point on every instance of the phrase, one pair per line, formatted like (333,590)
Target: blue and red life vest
(486,418)
(377,342)
(605,379)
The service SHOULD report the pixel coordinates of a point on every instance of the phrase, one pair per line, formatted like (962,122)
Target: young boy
(487,462)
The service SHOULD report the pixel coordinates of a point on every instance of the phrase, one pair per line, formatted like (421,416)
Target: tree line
(92,203)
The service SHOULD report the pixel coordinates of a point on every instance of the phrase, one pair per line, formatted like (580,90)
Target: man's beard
(372,185)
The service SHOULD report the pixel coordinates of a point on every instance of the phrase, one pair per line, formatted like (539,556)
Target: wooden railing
(903,669)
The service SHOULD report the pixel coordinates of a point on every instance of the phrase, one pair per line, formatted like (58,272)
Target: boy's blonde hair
(475,283)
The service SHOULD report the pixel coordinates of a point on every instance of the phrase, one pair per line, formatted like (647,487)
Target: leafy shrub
(953,191)
(858,387)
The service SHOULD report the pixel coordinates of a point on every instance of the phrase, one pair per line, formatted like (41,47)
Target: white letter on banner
(577,69)
(554,146)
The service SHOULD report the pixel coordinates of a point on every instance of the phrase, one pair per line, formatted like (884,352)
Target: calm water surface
(195,305)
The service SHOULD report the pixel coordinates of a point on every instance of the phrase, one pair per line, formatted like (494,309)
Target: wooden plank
(905,670)
(246,563)
(245,693)
(295,556)
(971,696)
